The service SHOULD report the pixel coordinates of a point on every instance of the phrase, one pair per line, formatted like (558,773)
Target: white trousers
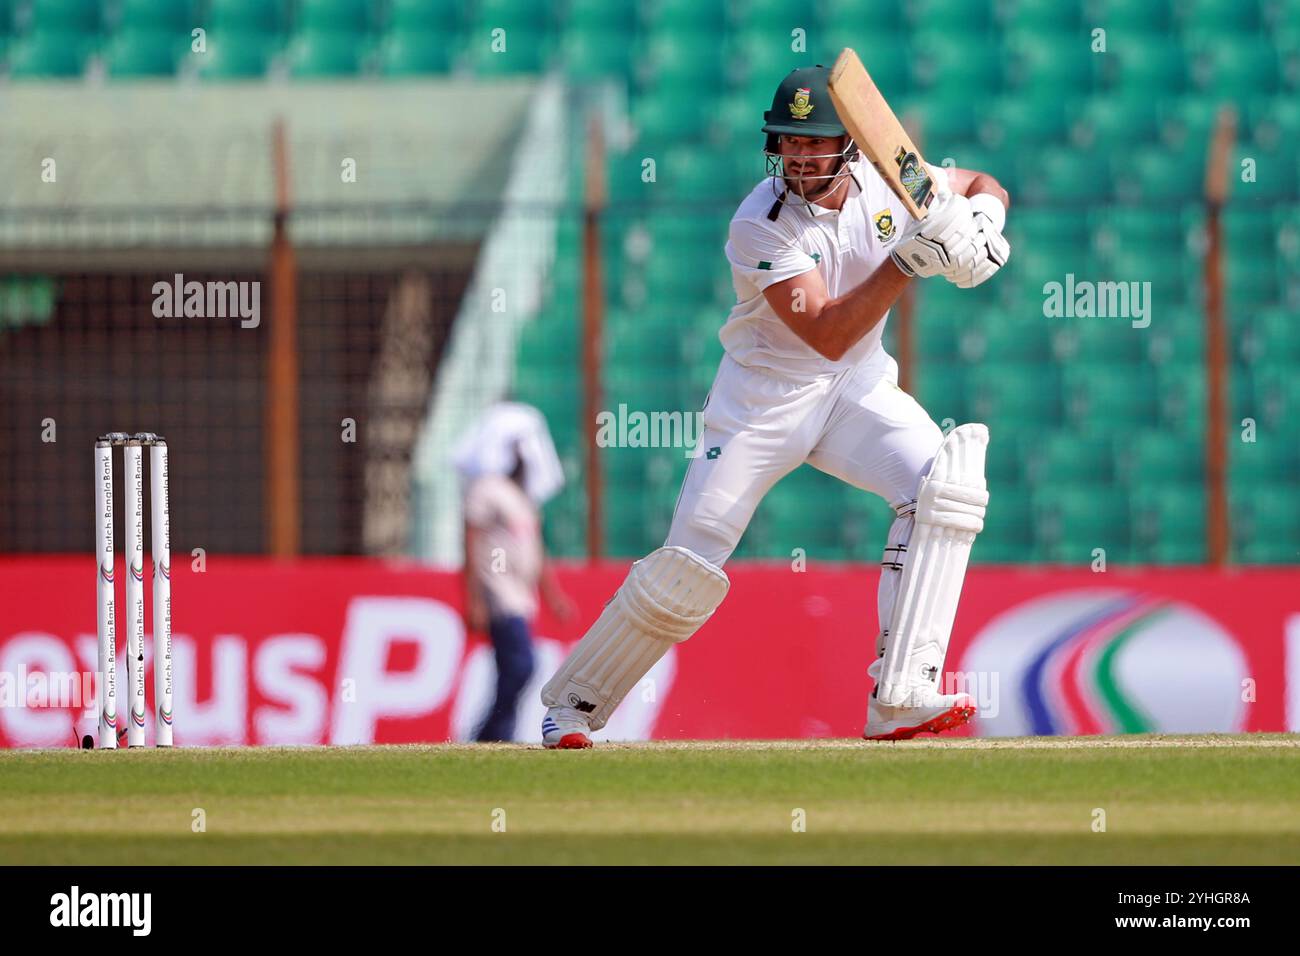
(857,425)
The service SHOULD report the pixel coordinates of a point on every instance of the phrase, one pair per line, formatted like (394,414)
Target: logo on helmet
(801,108)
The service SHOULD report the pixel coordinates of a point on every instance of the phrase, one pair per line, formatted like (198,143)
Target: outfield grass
(1167,800)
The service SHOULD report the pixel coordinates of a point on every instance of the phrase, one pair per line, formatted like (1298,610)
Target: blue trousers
(514,653)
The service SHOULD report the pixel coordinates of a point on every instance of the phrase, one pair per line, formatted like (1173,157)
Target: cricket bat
(879,134)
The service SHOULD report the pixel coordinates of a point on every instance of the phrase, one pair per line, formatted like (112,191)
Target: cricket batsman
(819,252)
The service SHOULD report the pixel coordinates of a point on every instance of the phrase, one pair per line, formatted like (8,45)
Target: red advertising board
(357,651)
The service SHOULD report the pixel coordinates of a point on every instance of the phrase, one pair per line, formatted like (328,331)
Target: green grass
(1167,800)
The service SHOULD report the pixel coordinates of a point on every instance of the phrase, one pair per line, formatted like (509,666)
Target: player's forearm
(985,183)
(843,322)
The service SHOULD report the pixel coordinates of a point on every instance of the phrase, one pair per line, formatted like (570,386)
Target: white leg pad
(950,507)
(667,597)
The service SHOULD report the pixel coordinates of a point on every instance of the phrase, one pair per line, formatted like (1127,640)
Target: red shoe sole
(946,721)
(571,742)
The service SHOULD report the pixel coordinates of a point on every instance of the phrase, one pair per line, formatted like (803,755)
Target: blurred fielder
(509,466)
(819,252)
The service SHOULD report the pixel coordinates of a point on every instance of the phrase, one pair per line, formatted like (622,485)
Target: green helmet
(802,106)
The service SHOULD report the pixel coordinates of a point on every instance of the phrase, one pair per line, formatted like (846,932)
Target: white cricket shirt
(770,241)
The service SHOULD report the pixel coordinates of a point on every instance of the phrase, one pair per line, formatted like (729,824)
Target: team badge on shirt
(884,221)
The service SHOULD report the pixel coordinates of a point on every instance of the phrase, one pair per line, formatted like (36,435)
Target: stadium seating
(1104,153)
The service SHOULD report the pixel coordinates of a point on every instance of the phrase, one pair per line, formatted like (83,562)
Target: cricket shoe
(563,728)
(935,714)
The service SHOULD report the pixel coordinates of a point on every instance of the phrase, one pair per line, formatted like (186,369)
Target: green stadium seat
(686,172)
(1144,62)
(1105,398)
(652,342)
(1062,231)
(660,119)
(1123,15)
(1182,395)
(757,58)
(1217,17)
(939,119)
(1287,219)
(993,337)
(1008,535)
(516,14)
(1176,336)
(43,54)
(1277,394)
(626,534)
(1269,334)
(1274,121)
(414,53)
(945,60)
(318,55)
(261,16)
(138,53)
(1251,281)
(1235,67)
(1007,464)
(1015,393)
(1043,64)
(1065,457)
(681,65)
(1155,174)
(1145,455)
(1188,122)
(684,16)
(327,16)
(64,16)
(175,15)
(586,56)
(736,122)
(1026,121)
(599,15)
(1271,457)
(1071,521)
(1127,116)
(1169,522)
(232,54)
(1042,16)
(888,58)
(555,390)
(941,390)
(1135,230)
(564,527)
(799,518)
(959,16)
(426,16)
(1100,341)
(526,51)
(1063,174)
(939,335)
(877,14)
(1281,14)
(780,15)
(1265,522)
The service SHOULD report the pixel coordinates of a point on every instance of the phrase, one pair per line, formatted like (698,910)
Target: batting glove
(940,243)
(993,250)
